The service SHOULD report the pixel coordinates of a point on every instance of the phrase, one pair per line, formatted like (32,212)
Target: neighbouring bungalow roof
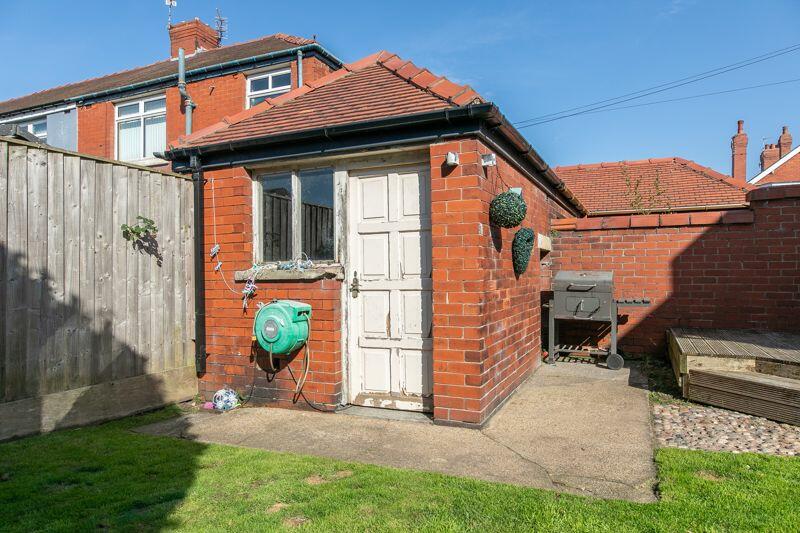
(659,185)
(379,101)
(168,67)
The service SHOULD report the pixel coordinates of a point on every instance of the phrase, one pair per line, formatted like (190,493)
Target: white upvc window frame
(141,115)
(41,136)
(296,221)
(271,91)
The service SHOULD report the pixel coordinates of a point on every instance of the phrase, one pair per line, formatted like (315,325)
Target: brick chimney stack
(739,154)
(192,35)
(769,155)
(784,142)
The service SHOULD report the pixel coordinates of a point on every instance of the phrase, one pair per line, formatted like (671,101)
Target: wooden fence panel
(80,306)
(55,302)
(16,272)
(3,255)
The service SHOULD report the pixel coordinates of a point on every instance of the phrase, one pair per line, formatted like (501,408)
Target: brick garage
(726,269)
(485,336)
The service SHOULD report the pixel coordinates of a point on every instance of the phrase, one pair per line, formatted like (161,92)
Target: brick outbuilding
(381,173)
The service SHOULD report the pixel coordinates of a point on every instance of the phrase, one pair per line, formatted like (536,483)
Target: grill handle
(581,287)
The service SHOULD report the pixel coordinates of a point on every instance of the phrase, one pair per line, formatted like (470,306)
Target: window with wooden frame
(267,84)
(141,128)
(295,215)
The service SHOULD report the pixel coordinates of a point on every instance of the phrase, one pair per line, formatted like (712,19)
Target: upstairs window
(266,85)
(39,128)
(141,128)
(295,215)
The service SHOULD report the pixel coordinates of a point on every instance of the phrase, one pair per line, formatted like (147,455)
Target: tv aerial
(170,4)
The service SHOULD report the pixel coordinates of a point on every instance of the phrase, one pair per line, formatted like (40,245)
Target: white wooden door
(390,324)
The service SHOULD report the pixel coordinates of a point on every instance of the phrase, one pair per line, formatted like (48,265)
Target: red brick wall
(96,129)
(229,326)
(486,321)
(738,269)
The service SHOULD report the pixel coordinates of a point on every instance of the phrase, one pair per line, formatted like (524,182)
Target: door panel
(377,369)
(376,314)
(389,236)
(375,256)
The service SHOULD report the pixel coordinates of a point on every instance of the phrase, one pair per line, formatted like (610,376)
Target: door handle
(354,286)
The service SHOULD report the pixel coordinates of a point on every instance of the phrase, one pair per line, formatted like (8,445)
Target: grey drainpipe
(188,104)
(199,271)
(299,68)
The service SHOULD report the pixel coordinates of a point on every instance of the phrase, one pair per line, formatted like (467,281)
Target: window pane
(281,80)
(155,135)
(128,109)
(39,128)
(257,100)
(259,84)
(129,147)
(316,197)
(155,105)
(277,212)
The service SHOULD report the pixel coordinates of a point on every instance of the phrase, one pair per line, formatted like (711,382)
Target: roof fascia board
(774,166)
(35,114)
(449,116)
(322,143)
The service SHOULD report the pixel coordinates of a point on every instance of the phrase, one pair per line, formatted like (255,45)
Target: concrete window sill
(312,274)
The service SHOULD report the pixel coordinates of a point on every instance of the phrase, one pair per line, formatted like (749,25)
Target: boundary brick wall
(487,334)
(723,269)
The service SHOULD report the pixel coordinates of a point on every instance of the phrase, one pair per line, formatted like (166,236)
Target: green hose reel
(281,326)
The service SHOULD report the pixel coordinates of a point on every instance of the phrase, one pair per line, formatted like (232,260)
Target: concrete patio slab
(571,427)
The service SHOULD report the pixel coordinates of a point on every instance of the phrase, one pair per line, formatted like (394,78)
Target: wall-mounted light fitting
(452,159)
(488,160)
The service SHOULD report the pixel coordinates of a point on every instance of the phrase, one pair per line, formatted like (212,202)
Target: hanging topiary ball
(507,210)
(521,250)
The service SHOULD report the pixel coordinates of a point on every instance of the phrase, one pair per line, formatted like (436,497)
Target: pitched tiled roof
(264,45)
(379,86)
(650,184)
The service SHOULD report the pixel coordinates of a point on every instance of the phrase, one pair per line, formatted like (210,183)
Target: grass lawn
(106,477)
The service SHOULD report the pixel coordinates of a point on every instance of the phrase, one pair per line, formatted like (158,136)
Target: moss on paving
(106,477)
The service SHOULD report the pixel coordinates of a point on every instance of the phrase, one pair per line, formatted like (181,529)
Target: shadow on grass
(95,478)
(63,365)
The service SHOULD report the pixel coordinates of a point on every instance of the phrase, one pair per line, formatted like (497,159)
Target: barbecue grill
(588,296)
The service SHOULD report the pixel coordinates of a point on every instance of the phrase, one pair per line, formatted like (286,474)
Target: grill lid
(584,281)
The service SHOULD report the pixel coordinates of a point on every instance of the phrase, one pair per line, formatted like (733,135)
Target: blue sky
(531,58)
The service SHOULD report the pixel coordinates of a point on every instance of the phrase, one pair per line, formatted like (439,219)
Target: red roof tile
(378,86)
(264,45)
(650,185)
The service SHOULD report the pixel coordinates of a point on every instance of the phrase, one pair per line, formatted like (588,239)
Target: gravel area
(700,427)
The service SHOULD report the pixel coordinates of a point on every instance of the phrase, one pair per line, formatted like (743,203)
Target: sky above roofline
(531,58)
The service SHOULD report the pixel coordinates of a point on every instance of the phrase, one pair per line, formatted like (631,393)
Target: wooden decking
(736,343)
(748,371)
